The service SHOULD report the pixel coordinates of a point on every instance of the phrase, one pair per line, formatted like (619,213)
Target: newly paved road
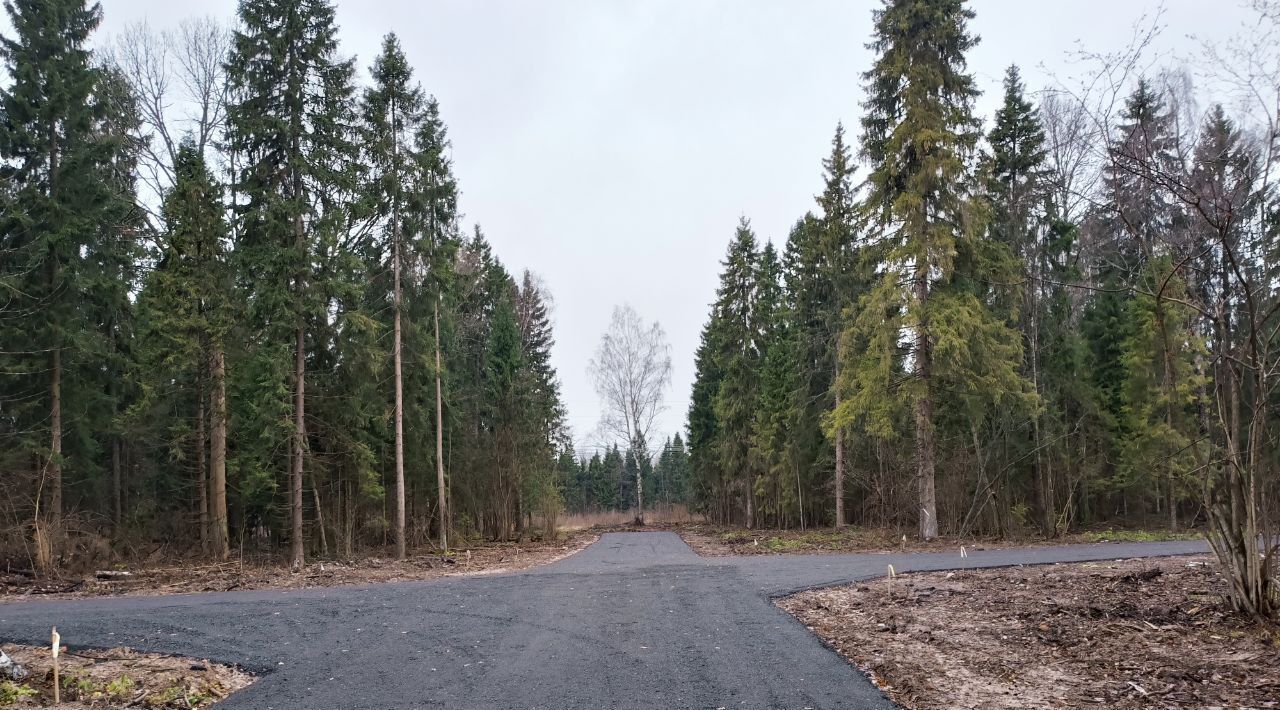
(636,620)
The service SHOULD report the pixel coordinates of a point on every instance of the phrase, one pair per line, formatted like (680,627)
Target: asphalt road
(636,620)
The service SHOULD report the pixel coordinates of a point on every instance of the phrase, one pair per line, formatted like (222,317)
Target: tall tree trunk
(117,494)
(839,478)
(54,510)
(298,450)
(220,543)
(1044,476)
(640,482)
(1170,387)
(202,472)
(925,445)
(440,490)
(399,386)
(315,497)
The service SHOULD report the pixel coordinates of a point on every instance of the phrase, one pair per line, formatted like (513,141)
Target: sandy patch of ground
(488,558)
(1127,634)
(118,678)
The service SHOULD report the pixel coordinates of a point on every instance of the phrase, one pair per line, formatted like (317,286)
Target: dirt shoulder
(118,678)
(487,558)
(721,541)
(1133,633)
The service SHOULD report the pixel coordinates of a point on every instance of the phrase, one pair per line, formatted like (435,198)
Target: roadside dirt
(1128,634)
(118,678)
(722,541)
(712,540)
(488,558)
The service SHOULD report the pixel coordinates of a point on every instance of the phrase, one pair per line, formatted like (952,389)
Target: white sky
(611,146)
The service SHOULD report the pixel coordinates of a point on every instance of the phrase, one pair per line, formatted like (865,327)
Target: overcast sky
(610,147)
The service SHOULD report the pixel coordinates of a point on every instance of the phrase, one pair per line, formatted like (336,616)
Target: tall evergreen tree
(287,128)
(919,135)
(768,432)
(434,218)
(66,236)
(841,268)
(392,109)
(186,315)
(739,361)
(808,294)
(1018,194)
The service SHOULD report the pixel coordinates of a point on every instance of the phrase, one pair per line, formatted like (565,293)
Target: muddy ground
(118,678)
(1128,634)
(171,578)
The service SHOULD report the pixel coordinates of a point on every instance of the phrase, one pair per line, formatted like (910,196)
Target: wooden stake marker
(55,646)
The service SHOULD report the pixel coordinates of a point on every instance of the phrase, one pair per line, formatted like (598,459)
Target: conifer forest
(262,323)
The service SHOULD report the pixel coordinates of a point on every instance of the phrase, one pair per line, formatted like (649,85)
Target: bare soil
(721,541)
(118,678)
(486,558)
(1131,634)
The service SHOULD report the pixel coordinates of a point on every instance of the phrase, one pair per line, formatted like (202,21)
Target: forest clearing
(545,349)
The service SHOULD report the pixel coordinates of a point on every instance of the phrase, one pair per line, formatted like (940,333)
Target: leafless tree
(178,81)
(1226,197)
(632,370)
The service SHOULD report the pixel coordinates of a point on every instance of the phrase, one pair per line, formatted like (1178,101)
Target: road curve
(636,620)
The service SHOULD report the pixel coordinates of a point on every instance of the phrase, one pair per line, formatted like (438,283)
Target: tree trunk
(640,484)
(925,445)
(839,477)
(297,450)
(117,495)
(202,472)
(1170,387)
(220,543)
(54,511)
(315,497)
(441,503)
(399,404)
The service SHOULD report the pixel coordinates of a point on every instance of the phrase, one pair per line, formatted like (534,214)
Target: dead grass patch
(1127,634)
(719,541)
(119,678)
(485,558)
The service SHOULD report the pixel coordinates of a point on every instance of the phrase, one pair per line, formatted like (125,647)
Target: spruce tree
(435,213)
(186,315)
(1018,195)
(739,360)
(808,295)
(919,136)
(66,234)
(392,109)
(841,269)
(704,425)
(287,127)
(769,431)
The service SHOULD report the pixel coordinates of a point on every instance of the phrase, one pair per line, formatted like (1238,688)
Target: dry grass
(119,678)
(1126,634)
(659,515)
(482,558)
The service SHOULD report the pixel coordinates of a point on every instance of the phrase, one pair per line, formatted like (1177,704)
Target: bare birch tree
(632,370)
(178,79)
